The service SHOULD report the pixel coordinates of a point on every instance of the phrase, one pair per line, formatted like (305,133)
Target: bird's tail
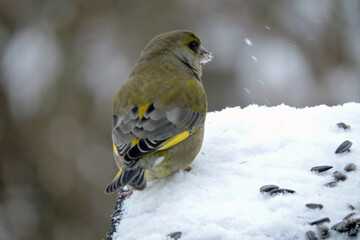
(134,177)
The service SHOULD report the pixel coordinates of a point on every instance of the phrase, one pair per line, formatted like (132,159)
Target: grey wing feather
(185,118)
(120,137)
(134,177)
(152,129)
(122,130)
(156,115)
(133,114)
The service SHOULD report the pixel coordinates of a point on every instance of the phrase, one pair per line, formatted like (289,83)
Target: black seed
(321,168)
(330,184)
(268,188)
(314,205)
(175,235)
(320,221)
(345,146)
(281,190)
(350,167)
(339,176)
(310,235)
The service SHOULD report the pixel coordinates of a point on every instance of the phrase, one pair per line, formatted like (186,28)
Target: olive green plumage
(159,114)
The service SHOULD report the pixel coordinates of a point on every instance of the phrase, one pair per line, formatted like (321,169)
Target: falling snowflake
(248,42)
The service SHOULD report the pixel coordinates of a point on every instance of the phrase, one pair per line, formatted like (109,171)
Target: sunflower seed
(268,188)
(345,226)
(352,222)
(314,205)
(351,207)
(281,190)
(353,232)
(310,235)
(324,231)
(343,125)
(321,168)
(341,227)
(350,167)
(174,235)
(331,184)
(320,221)
(345,146)
(339,176)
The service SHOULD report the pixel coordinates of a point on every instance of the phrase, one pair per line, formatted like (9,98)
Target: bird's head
(179,45)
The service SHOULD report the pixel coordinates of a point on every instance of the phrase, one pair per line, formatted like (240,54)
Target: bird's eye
(194,46)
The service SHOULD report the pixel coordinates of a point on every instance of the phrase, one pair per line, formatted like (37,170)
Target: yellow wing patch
(118,174)
(142,110)
(175,140)
(115,150)
(133,142)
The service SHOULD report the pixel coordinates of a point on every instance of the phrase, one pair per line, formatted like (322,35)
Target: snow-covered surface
(243,150)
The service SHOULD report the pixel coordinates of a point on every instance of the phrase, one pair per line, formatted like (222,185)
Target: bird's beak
(204,55)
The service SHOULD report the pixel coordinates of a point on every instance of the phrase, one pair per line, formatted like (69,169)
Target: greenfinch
(159,113)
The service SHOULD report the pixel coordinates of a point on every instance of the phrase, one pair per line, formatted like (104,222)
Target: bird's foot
(127,193)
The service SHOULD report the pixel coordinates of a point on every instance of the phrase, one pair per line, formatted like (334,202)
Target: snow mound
(243,150)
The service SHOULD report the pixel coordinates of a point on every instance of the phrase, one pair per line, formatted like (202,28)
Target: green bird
(159,113)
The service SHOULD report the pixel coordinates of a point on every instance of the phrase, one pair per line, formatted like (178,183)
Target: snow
(248,42)
(247,90)
(244,149)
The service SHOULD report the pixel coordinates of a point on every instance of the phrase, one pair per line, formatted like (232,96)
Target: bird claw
(127,193)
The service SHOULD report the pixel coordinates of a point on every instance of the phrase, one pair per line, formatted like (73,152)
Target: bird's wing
(146,129)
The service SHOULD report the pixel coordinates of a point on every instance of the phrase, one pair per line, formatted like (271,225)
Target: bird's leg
(188,169)
(128,193)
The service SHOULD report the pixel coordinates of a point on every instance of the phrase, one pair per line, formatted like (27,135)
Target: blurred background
(61,62)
